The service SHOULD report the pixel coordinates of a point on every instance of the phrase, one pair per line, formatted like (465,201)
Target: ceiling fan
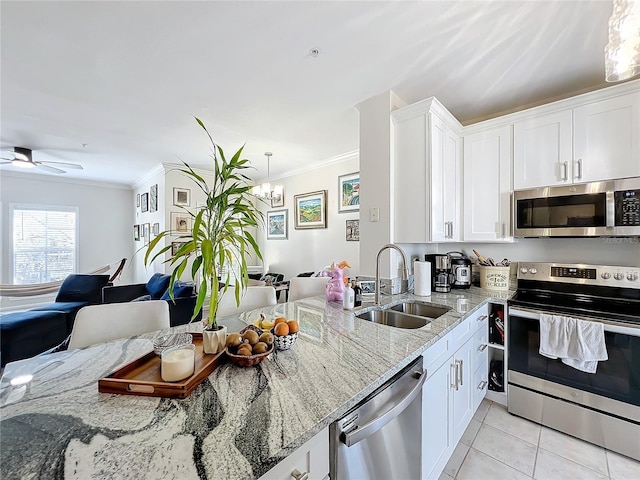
(23,158)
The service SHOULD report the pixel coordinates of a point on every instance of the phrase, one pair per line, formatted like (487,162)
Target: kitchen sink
(420,309)
(394,319)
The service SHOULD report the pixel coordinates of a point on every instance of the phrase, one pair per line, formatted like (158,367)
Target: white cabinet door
(446,168)
(411,180)
(437,441)
(311,458)
(542,151)
(487,185)
(462,410)
(606,139)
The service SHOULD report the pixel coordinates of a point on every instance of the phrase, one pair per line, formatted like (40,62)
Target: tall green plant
(220,238)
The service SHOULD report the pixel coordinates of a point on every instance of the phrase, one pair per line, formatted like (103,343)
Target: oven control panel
(612,276)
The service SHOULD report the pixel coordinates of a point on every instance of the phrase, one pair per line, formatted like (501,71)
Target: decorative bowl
(284,342)
(248,360)
(167,341)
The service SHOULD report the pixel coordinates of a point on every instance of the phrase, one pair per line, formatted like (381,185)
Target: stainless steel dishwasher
(381,437)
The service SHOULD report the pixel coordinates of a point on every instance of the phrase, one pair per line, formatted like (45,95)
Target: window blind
(44,244)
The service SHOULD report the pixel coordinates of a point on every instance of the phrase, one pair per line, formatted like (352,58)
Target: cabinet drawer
(481,318)
(479,385)
(480,348)
(437,354)
(312,458)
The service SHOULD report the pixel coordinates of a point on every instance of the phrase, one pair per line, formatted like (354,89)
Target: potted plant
(219,241)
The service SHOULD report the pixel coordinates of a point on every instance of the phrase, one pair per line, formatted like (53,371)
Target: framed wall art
(311,210)
(156,229)
(181,197)
(353,230)
(137,200)
(277,200)
(175,246)
(277,225)
(153,198)
(349,191)
(144,202)
(181,222)
(136,233)
(145,233)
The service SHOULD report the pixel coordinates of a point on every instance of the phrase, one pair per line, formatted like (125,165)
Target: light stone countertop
(238,423)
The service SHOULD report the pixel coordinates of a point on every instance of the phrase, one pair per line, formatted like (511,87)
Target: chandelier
(265,191)
(622,53)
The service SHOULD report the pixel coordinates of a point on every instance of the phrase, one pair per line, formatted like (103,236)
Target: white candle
(178,363)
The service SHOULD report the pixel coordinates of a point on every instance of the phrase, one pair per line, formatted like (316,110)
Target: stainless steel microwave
(599,209)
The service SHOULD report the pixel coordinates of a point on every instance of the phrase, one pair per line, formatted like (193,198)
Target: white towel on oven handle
(578,343)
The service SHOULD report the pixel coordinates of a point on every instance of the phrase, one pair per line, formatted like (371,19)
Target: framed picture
(181,197)
(353,230)
(368,287)
(156,229)
(145,233)
(277,200)
(144,202)
(138,200)
(153,198)
(181,222)
(349,191)
(311,210)
(136,233)
(277,225)
(175,246)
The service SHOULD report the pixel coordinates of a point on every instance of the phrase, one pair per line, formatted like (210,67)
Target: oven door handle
(609,326)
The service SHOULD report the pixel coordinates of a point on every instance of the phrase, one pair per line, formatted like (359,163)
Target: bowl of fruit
(285,333)
(249,346)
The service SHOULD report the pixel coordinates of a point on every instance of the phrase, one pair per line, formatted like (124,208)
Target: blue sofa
(157,288)
(25,334)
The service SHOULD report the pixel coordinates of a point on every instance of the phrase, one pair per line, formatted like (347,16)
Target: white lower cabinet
(450,395)
(310,461)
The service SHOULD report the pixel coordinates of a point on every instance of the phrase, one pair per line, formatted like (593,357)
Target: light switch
(374,214)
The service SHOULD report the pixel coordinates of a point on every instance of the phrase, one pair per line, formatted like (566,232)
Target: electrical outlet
(374,214)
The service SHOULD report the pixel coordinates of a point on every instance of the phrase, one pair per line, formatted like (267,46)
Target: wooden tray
(142,376)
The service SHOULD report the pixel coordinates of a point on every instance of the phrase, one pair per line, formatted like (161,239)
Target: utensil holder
(494,278)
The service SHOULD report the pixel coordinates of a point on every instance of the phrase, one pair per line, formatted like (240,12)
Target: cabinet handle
(482,347)
(579,175)
(504,229)
(482,385)
(460,371)
(565,176)
(482,318)
(454,375)
(299,476)
(450,229)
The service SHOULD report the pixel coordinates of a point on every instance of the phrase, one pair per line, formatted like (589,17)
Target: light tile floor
(498,446)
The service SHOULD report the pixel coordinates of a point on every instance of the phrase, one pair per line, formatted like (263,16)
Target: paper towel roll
(422,278)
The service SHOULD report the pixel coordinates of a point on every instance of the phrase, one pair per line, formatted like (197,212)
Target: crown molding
(344,157)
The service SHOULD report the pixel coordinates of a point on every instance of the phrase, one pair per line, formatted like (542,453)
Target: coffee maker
(460,269)
(440,272)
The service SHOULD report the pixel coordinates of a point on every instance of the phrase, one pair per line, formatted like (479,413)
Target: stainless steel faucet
(405,270)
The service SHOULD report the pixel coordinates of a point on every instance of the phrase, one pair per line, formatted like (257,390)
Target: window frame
(41,207)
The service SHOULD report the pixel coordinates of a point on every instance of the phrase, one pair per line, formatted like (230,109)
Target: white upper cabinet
(542,151)
(427,172)
(487,185)
(606,139)
(446,176)
(594,138)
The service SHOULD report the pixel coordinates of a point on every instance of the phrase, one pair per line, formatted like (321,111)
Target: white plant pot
(214,341)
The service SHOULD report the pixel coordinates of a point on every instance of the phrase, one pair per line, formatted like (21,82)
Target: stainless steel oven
(586,210)
(603,407)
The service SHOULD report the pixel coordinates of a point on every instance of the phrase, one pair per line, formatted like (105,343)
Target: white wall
(104,221)
(313,249)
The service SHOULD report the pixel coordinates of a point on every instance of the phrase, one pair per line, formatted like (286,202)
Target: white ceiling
(126,78)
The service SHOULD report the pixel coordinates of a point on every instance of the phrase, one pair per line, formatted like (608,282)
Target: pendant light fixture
(622,53)
(264,190)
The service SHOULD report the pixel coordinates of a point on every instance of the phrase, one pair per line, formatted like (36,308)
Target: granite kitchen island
(239,423)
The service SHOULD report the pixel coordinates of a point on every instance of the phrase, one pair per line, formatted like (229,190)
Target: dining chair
(254,297)
(303,287)
(102,323)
